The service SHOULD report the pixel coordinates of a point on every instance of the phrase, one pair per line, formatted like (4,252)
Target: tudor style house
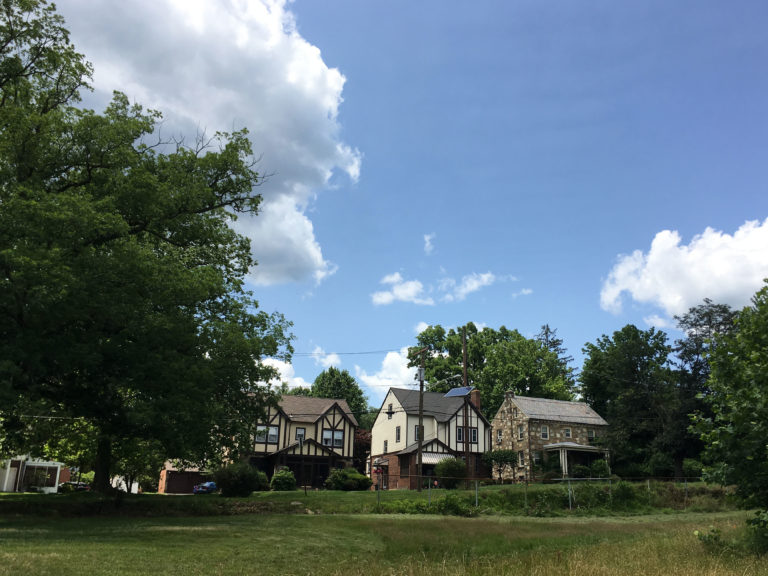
(539,429)
(394,442)
(310,436)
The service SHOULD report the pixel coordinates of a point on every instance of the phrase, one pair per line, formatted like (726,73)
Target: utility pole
(423,351)
(466,399)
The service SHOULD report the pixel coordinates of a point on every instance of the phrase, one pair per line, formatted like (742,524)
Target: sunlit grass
(371,545)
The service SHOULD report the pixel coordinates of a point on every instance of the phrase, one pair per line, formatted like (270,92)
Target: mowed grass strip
(369,544)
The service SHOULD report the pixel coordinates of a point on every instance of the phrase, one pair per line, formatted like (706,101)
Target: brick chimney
(474,397)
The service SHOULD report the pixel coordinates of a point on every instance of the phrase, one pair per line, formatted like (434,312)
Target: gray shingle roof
(435,404)
(558,410)
(307,409)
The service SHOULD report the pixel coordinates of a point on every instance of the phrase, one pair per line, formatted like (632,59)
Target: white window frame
(416,432)
(266,434)
(567,432)
(590,433)
(397,434)
(520,431)
(521,458)
(473,435)
(544,432)
(499,436)
(301,433)
(459,434)
(386,446)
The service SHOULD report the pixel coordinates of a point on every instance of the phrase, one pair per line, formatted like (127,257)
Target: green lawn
(371,545)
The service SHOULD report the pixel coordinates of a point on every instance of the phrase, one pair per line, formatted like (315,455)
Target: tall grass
(372,545)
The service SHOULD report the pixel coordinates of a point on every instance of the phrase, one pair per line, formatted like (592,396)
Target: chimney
(474,397)
(510,393)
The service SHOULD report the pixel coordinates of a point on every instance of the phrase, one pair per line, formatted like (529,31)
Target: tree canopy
(122,300)
(736,432)
(497,361)
(340,384)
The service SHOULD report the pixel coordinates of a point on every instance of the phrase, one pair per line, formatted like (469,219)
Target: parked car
(74,487)
(205,488)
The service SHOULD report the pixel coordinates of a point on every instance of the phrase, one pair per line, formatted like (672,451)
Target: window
(389,412)
(301,433)
(544,432)
(397,434)
(416,433)
(333,438)
(266,434)
(537,458)
(473,435)
(520,431)
(591,434)
(521,458)
(514,412)
(499,436)
(386,446)
(567,432)
(460,434)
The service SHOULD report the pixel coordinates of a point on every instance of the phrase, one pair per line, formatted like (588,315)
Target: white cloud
(287,374)
(401,291)
(726,268)
(469,284)
(394,373)
(428,246)
(325,360)
(523,292)
(657,321)
(219,65)
(420,327)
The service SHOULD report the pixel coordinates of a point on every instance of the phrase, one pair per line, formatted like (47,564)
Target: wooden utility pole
(466,398)
(421,419)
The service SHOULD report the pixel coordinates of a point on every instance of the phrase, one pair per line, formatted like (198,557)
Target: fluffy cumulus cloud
(727,268)
(286,374)
(394,373)
(224,64)
(457,291)
(326,360)
(401,290)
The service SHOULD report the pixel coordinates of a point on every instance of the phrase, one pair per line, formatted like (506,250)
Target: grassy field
(372,544)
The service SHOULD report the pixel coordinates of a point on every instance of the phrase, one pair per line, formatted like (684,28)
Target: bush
(283,481)
(347,479)
(692,468)
(600,469)
(450,471)
(581,471)
(453,505)
(758,532)
(240,480)
(623,495)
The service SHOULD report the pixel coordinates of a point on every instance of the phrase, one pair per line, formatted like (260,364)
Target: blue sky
(580,164)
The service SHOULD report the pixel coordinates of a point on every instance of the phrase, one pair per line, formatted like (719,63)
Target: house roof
(558,410)
(436,404)
(425,446)
(307,409)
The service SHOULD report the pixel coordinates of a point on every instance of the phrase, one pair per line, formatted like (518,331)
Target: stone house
(540,429)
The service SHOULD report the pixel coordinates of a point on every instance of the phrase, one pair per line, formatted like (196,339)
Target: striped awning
(434,457)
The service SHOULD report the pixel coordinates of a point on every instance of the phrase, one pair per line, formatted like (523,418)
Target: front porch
(572,454)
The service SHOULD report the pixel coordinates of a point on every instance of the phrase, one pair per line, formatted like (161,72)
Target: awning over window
(433,457)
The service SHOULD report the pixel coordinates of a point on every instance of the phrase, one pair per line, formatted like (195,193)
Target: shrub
(581,471)
(758,532)
(347,479)
(692,468)
(453,505)
(599,469)
(240,480)
(283,481)
(451,471)
(623,495)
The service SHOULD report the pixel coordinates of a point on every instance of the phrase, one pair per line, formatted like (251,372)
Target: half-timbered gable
(310,436)
(394,444)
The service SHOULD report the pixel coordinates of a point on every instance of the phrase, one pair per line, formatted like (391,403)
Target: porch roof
(573,446)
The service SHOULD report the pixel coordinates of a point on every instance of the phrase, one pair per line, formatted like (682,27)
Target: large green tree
(121,280)
(736,432)
(627,379)
(340,384)
(498,361)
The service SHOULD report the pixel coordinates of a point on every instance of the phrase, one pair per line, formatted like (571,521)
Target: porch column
(564,461)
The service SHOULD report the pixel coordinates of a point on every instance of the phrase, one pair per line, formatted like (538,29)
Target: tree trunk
(103,464)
